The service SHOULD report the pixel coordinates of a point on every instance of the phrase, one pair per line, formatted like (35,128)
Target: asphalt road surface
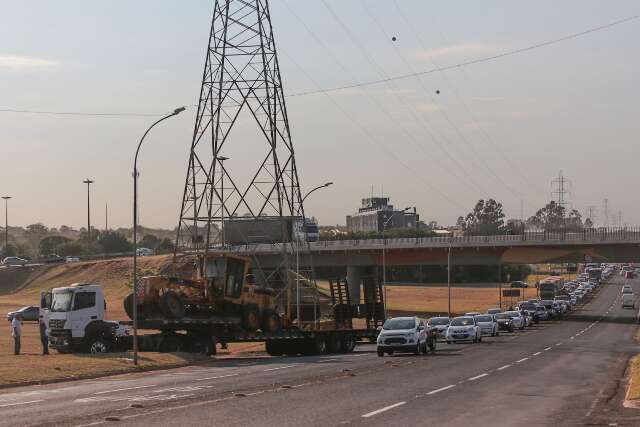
(558,373)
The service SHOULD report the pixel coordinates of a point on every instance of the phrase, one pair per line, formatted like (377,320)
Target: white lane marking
(537,354)
(124,389)
(572,338)
(477,377)
(522,360)
(278,368)
(215,378)
(300,385)
(255,393)
(381,410)
(20,403)
(440,389)
(547,349)
(558,344)
(503,367)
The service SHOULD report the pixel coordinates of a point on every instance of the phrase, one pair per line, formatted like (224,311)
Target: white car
(440,324)
(626,289)
(14,261)
(463,328)
(402,334)
(487,324)
(517,320)
(628,300)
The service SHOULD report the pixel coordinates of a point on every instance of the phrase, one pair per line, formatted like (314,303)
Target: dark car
(519,284)
(505,323)
(29,313)
(51,259)
(14,261)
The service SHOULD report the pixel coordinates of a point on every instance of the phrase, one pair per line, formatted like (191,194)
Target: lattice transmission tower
(241,121)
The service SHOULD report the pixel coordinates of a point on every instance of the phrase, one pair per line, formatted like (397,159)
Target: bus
(550,287)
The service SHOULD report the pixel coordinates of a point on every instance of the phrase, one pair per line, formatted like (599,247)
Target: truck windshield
(61,301)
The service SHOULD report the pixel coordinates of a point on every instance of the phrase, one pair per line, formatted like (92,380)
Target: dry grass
(634,379)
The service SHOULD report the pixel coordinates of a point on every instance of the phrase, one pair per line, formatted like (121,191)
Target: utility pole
(6,222)
(88,182)
(606,213)
(106,217)
(591,213)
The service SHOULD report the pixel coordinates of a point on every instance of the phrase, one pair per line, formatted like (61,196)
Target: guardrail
(537,238)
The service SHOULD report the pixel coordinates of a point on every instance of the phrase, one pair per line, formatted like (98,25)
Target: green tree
(588,223)
(149,241)
(50,244)
(72,248)
(165,246)
(554,217)
(35,233)
(113,242)
(487,218)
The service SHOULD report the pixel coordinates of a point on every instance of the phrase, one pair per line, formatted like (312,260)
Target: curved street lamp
(135,232)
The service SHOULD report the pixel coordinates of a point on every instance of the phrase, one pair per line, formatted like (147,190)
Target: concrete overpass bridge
(620,245)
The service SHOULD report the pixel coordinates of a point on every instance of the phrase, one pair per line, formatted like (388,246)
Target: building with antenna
(375,212)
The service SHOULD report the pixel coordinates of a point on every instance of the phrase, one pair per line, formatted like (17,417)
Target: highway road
(558,373)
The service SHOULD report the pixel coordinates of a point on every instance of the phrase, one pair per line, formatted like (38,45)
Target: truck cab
(76,320)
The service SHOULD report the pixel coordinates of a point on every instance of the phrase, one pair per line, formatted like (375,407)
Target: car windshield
(436,321)
(503,316)
(395,324)
(527,307)
(540,309)
(513,314)
(484,319)
(462,321)
(61,301)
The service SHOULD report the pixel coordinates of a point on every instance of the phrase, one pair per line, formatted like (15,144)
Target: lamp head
(179,110)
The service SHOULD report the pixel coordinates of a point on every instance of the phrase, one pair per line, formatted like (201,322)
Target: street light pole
(135,233)
(325,185)
(88,182)
(449,280)
(6,222)
(384,257)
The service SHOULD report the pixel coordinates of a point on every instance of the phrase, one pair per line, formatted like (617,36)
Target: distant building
(375,212)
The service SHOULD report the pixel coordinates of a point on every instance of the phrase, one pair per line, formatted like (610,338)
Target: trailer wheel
(270,321)
(128,305)
(250,318)
(274,348)
(171,305)
(335,343)
(170,343)
(348,343)
(320,344)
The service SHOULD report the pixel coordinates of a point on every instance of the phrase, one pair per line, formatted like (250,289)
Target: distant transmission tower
(241,83)
(606,212)
(591,213)
(561,192)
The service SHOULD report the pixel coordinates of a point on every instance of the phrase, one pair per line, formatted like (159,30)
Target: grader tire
(171,305)
(250,318)
(270,321)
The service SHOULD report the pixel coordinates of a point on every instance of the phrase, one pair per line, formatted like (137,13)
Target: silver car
(440,324)
(463,328)
(487,324)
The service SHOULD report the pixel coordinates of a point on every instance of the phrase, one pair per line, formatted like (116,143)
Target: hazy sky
(501,129)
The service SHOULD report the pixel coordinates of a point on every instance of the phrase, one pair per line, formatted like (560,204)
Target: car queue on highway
(416,335)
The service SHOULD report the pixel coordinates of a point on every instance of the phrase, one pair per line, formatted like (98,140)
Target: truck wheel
(270,321)
(274,348)
(128,305)
(250,318)
(99,346)
(348,343)
(171,305)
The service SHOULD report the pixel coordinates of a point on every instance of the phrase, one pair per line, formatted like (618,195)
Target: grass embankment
(115,278)
(633,393)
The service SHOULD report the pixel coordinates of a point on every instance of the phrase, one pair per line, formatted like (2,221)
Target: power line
(78,113)
(561,190)
(471,62)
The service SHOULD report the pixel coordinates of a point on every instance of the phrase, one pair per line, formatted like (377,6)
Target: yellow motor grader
(218,284)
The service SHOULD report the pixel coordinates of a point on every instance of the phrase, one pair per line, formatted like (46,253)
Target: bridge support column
(354,281)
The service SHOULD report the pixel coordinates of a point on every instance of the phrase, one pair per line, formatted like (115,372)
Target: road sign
(511,292)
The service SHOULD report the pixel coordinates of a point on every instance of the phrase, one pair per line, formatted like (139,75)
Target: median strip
(381,410)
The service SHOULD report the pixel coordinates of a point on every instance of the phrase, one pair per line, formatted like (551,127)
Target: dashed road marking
(537,354)
(522,360)
(124,389)
(547,349)
(477,377)
(438,390)
(381,410)
(503,367)
(278,368)
(215,378)
(20,403)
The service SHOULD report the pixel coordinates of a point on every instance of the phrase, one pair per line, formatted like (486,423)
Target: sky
(500,129)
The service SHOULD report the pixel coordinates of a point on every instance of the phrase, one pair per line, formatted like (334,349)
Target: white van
(628,300)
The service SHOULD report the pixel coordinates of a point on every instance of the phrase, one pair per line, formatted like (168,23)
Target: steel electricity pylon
(241,88)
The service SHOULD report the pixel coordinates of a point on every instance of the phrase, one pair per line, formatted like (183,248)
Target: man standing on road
(44,335)
(16,332)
